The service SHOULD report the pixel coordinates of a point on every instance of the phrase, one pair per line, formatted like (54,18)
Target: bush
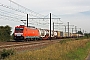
(5,53)
(5,32)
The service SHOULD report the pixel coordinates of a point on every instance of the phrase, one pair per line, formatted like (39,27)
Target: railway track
(27,45)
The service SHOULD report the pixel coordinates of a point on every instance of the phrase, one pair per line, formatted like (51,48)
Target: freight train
(31,33)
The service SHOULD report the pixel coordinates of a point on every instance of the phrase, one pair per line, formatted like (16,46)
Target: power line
(12,8)
(6,18)
(10,16)
(57,16)
(6,12)
(26,9)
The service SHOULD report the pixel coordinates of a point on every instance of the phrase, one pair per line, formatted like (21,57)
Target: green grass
(80,53)
(64,50)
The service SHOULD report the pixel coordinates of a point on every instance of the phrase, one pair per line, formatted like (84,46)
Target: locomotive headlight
(18,34)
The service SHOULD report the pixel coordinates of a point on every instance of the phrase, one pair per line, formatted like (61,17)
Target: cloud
(75,11)
(87,13)
(56,6)
(80,20)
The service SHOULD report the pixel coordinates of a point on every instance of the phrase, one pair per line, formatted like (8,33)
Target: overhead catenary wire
(18,10)
(27,9)
(12,8)
(7,15)
(58,18)
(6,12)
(32,14)
(6,18)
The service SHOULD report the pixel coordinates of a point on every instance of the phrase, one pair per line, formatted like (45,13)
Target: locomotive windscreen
(18,30)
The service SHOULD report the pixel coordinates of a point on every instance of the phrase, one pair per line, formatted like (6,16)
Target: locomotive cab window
(18,30)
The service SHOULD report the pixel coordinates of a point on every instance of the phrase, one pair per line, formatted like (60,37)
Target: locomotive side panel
(23,32)
(31,33)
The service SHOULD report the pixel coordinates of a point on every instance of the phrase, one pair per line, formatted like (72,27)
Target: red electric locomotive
(26,33)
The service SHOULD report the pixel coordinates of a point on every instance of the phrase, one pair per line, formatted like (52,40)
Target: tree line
(87,35)
(5,32)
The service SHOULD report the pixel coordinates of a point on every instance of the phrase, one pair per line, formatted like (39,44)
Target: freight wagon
(44,33)
(59,34)
(65,34)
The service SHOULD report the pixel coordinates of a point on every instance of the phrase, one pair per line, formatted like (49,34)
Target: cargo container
(59,34)
(65,35)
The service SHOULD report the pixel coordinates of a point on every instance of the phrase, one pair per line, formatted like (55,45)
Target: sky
(76,12)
